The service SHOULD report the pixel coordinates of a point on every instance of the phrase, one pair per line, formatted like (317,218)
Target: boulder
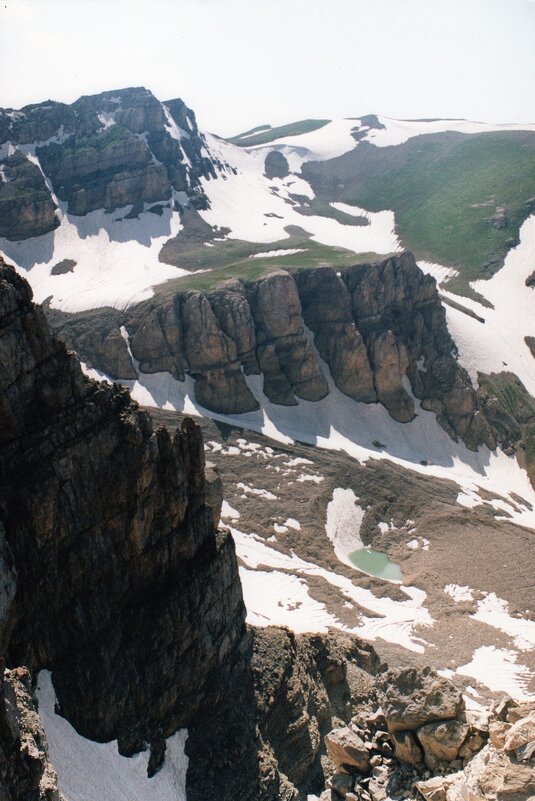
(410,698)
(491,775)
(406,748)
(443,740)
(346,749)
(521,733)
(436,788)
(498,731)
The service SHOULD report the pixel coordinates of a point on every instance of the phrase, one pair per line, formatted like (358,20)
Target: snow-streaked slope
(335,138)
(498,344)
(116,259)
(90,771)
(395,132)
(338,423)
(498,669)
(259,209)
(280,597)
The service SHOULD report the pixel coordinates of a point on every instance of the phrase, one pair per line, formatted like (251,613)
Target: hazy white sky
(240,63)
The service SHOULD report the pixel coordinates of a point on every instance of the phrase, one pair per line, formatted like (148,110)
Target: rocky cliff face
(113,575)
(26,205)
(84,477)
(379,328)
(102,152)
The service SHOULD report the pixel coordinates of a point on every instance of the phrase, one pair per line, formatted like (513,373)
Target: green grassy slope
(444,190)
(235,258)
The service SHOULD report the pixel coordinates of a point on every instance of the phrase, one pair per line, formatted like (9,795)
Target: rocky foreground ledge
(414,738)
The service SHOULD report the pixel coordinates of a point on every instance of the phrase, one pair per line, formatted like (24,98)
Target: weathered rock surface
(285,355)
(347,750)
(99,481)
(411,698)
(406,748)
(104,151)
(380,328)
(443,740)
(326,305)
(25,771)
(26,205)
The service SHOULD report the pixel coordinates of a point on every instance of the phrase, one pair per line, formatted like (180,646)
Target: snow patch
(392,621)
(498,670)
(228,511)
(498,344)
(344,519)
(261,493)
(271,254)
(459,593)
(494,612)
(90,771)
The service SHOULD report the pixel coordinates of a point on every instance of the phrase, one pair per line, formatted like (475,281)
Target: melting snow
(292,523)
(344,519)
(393,621)
(271,254)
(228,511)
(90,771)
(498,344)
(116,261)
(494,612)
(459,593)
(262,493)
(498,670)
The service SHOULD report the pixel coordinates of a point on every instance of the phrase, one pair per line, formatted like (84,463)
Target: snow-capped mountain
(264,282)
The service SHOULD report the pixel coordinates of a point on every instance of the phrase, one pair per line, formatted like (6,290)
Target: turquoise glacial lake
(375,563)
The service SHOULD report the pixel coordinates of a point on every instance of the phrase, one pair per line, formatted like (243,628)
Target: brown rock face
(25,772)
(285,355)
(230,306)
(396,298)
(184,335)
(97,333)
(326,305)
(380,328)
(111,150)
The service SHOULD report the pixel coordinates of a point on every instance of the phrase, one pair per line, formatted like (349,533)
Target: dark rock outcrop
(84,478)
(107,169)
(276,165)
(26,205)
(102,152)
(299,686)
